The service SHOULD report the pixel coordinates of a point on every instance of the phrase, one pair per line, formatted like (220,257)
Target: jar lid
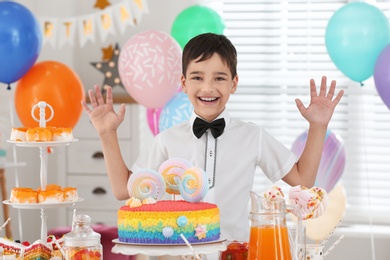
(82,234)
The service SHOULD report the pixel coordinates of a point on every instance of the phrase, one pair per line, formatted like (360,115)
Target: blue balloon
(177,110)
(20,41)
(355,36)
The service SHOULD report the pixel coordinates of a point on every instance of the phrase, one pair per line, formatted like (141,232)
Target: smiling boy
(229,151)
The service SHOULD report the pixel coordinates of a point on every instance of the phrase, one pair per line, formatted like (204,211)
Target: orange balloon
(57,85)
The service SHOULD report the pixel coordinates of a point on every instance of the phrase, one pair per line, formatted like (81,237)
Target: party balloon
(319,228)
(177,110)
(332,161)
(382,75)
(150,68)
(355,35)
(153,116)
(20,41)
(56,84)
(196,20)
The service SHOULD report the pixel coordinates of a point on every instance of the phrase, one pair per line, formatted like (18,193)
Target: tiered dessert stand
(43,148)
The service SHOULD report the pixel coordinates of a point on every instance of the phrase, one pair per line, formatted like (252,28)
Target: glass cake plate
(209,247)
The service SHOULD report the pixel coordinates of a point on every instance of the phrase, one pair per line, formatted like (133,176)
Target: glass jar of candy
(82,242)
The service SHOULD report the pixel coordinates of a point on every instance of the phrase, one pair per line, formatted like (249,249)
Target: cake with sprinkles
(147,219)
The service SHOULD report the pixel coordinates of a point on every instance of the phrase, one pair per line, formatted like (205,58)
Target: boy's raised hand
(321,105)
(102,114)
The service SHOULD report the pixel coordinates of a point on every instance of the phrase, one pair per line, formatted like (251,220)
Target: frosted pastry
(70,194)
(23,195)
(18,134)
(38,134)
(274,192)
(310,203)
(50,196)
(61,133)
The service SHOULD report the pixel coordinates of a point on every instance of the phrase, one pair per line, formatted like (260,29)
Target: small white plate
(42,144)
(41,205)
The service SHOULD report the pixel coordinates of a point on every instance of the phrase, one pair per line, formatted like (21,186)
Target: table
(4,194)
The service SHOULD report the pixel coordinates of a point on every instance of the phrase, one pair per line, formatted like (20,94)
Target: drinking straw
(189,245)
(5,224)
(333,246)
(330,234)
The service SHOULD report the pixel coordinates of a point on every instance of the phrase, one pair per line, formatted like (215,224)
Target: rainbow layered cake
(164,221)
(146,219)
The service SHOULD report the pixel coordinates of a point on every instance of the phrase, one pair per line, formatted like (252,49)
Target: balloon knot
(9,87)
(361,84)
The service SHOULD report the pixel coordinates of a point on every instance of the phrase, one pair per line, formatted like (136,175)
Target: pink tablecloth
(107,235)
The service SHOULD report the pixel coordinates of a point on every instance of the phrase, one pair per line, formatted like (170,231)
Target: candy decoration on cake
(146,183)
(201,231)
(182,221)
(311,203)
(167,232)
(194,184)
(172,170)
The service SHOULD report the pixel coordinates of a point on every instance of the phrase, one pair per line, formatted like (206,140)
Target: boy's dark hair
(205,45)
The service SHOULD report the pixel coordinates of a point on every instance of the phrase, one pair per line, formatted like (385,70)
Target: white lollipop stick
(189,245)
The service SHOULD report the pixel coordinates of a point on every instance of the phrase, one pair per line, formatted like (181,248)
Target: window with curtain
(281,46)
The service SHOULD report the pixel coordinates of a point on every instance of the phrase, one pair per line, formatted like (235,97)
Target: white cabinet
(85,168)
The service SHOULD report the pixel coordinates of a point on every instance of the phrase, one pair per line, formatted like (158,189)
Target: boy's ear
(234,85)
(183,84)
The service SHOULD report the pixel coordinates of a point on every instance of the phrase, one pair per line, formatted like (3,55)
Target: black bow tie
(216,127)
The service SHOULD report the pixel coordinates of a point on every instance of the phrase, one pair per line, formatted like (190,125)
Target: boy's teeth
(208,99)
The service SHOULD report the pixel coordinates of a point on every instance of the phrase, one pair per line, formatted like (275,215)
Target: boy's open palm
(102,114)
(321,105)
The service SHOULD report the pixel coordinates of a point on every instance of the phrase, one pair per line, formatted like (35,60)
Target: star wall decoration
(109,67)
(101,4)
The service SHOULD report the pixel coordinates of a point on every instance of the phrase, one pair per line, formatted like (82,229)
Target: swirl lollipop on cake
(172,171)
(194,184)
(146,183)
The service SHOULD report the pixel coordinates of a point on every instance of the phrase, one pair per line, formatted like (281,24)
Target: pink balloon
(150,68)
(153,116)
(332,161)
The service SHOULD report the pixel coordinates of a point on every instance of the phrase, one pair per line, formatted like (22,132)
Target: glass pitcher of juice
(269,235)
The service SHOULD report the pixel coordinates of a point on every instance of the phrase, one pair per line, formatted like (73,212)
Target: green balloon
(196,20)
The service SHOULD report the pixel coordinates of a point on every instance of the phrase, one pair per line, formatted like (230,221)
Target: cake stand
(172,250)
(43,152)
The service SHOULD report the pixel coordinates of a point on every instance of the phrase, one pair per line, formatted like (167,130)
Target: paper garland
(114,19)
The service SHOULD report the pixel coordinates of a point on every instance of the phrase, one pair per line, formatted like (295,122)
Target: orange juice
(269,243)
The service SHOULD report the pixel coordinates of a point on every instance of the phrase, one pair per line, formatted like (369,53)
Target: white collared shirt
(239,150)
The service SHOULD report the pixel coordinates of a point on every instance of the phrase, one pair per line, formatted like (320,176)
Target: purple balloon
(332,161)
(382,75)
